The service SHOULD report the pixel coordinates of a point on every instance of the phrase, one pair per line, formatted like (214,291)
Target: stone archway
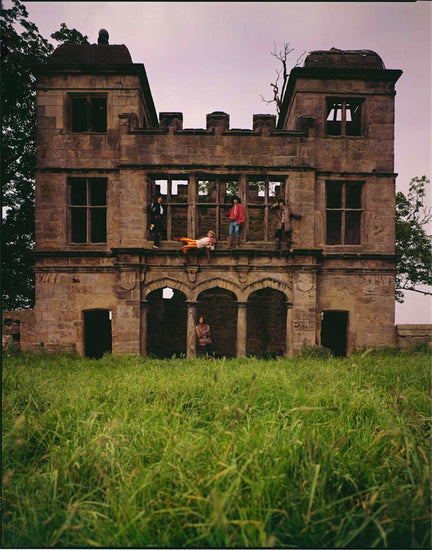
(219,306)
(266,323)
(166,323)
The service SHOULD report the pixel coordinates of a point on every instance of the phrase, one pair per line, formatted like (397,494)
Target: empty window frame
(87,198)
(214,199)
(174,191)
(343,212)
(88,112)
(344,117)
(262,194)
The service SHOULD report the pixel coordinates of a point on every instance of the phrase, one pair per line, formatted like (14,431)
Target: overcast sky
(215,56)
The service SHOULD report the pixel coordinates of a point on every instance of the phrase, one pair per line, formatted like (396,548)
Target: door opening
(334,329)
(97,333)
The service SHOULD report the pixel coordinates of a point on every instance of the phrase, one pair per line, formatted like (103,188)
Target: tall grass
(124,452)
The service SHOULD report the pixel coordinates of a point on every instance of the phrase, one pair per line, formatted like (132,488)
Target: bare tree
(282,56)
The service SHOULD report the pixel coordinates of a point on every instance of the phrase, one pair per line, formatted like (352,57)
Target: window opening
(213,203)
(343,212)
(343,117)
(88,113)
(167,293)
(88,209)
(174,191)
(262,193)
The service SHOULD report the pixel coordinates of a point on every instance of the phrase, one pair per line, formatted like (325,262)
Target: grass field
(304,452)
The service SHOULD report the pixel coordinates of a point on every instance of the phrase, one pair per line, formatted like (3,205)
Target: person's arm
(240,215)
(295,216)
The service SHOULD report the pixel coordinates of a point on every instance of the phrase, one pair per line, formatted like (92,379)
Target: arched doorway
(266,323)
(97,333)
(334,331)
(166,323)
(219,306)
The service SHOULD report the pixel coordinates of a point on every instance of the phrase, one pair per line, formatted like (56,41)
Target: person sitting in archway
(202,330)
(208,242)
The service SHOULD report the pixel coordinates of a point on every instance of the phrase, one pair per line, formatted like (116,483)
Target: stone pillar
(192,210)
(143,327)
(289,336)
(191,335)
(241,329)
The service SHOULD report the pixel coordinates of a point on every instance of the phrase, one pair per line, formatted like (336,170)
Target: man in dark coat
(282,221)
(157,227)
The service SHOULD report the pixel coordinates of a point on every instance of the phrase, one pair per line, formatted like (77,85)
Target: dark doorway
(266,323)
(334,326)
(97,333)
(166,323)
(219,307)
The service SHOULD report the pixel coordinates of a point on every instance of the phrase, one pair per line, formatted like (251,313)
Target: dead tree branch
(282,57)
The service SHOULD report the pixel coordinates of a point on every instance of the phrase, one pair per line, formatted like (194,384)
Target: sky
(216,56)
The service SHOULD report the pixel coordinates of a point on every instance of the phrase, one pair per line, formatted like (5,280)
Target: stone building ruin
(103,154)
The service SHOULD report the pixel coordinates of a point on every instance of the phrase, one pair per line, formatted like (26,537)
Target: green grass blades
(304,452)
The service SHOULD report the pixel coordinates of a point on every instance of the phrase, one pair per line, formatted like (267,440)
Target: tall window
(174,191)
(214,200)
(343,117)
(88,112)
(262,194)
(87,210)
(343,212)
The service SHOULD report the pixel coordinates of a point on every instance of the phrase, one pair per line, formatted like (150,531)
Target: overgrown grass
(124,452)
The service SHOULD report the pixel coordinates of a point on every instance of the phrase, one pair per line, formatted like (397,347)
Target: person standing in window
(237,217)
(202,330)
(157,227)
(282,222)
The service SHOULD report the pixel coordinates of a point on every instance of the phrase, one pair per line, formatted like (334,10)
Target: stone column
(191,335)
(143,327)
(289,336)
(241,329)
(192,208)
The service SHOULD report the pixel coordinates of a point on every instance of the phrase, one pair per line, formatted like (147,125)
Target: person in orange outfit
(208,242)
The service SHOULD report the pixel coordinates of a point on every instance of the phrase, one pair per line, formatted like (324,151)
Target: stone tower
(103,154)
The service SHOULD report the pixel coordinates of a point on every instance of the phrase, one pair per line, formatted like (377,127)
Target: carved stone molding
(306,282)
(127,280)
(242,272)
(192,272)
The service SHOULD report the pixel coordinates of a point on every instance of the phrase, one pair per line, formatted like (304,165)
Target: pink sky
(206,56)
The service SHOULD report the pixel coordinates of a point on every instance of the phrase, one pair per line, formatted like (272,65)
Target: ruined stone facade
(103,153)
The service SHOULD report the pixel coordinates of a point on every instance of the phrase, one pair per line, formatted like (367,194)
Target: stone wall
(410,335)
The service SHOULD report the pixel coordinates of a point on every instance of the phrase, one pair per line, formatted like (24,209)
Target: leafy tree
(413,244)
(69,36)
(22,47)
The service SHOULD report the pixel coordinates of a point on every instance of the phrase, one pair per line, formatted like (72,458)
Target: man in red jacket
(237,217)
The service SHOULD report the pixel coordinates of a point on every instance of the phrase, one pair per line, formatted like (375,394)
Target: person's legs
(237,234)
(158,231)
(189,244)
